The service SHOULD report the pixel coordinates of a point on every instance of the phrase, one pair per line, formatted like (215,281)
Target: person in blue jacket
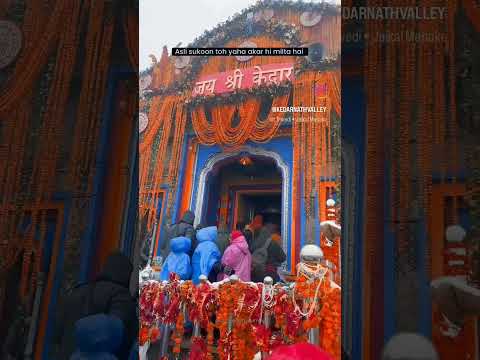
(178,260)
(206,259)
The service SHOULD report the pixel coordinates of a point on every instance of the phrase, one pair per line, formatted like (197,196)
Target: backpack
(259,260)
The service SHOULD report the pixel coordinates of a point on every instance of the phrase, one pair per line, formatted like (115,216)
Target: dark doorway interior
(257,182)
(267,204)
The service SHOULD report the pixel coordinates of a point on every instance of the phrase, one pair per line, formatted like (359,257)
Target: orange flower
(143,335)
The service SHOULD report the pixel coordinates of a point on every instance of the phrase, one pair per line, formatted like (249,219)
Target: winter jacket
(206,254)
(276,255)
(238,257)
(145,252)
(98,337)
(259,238)
(16,339)
(249,237)
(109,294)
(223,240)
(183,228)
(178,261)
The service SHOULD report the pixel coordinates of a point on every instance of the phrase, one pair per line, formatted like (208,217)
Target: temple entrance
(249,203)
(241,187)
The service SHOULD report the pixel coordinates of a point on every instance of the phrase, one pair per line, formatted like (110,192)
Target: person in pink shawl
(238,257)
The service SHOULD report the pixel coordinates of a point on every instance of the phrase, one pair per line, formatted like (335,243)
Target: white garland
(311,272)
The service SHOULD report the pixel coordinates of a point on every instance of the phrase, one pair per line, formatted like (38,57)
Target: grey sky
(168,22)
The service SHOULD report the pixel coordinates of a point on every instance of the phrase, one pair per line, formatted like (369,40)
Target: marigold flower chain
(239,311)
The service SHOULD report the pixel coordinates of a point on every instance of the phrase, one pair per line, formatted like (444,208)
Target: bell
(311,253)
(409,346)
(455,233)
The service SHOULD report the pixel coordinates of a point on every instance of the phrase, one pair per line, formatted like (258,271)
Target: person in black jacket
(16,339)
(183,228)
(247,233)
(108,294)
(276,255)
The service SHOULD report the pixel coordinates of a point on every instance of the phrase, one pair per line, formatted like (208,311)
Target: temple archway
(221,160)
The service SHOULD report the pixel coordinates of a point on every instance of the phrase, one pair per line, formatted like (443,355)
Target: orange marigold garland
(237,306)
(223,117)
(210,340)
(177,335)
(250,126)
(264,130)
(225,297)
(330,320)
(317,300)
(203,129)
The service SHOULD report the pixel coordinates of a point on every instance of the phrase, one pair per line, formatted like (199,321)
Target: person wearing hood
(247,233)
(206,257)
(276,256)
(108,294)
(256,225)
(178,261)
(183,228)
(237,256)
(98,337)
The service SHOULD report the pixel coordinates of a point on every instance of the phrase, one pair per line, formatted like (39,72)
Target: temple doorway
(249,203)
(241,187)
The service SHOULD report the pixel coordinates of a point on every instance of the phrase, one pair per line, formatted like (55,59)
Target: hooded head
(257,222)
(277,238)
(99,333)
(299,351)
(188,217)
(235,235)
(180,244)
(207,234)
(238,239)
(272,227)
(118,269)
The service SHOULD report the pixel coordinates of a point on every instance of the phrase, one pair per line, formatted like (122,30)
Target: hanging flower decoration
(237,310)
